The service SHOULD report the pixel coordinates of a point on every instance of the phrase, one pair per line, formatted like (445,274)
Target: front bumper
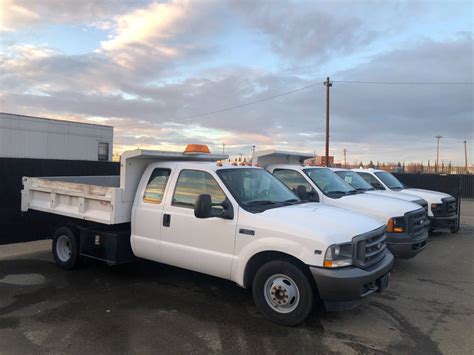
(450,222)
(403,246)
(345,288)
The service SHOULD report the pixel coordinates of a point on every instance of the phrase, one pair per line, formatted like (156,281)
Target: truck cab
(442,208)
(235,222)
(407,224)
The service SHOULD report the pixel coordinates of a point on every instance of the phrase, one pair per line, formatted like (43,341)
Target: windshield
(256,189)
(329,183)
(354,180)
(390,180)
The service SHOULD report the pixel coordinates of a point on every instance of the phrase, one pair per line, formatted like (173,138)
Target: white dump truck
(442,208)
(407,222)
(235,222)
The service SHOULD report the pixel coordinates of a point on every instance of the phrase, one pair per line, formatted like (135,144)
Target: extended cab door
(204,245)
(148,213)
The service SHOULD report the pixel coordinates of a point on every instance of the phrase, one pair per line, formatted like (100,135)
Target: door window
(293,179)
(156,186)
(191,184)
(103,151)
(372,180)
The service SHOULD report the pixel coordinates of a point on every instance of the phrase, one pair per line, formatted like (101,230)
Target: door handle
(166,220)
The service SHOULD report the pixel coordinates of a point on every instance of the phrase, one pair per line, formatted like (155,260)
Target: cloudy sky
(155,69)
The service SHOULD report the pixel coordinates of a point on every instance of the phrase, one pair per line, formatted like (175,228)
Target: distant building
(320,160)
(43,138)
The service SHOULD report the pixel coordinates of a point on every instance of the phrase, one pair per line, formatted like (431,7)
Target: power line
(233,107)
(268,98)
(401,82)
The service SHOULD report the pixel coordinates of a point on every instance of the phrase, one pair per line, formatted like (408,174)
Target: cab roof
(370,170)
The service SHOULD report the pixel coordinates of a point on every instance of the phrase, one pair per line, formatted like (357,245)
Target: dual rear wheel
(66,248)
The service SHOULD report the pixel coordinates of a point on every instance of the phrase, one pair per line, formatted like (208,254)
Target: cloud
(304,30)
(139,80)
(21,14)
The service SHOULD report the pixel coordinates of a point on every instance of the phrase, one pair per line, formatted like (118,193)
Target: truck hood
(393,194)
(428,195)
(325,223)
(378,207)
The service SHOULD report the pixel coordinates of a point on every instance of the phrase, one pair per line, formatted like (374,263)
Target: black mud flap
(383,282)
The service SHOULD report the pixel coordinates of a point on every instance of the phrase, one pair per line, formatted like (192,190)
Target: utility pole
(328,84)
(465,156)
(437,153)
(345,161)
(223,148)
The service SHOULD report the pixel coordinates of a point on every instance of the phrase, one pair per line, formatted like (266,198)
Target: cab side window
(372,181)
(156,186)
(293,179)
(191,184)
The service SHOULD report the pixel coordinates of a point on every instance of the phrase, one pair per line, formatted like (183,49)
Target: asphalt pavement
(149,308)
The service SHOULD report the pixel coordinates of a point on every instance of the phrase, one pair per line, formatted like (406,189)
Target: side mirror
(305,195)
(301,192)
(203,206)
(377,185)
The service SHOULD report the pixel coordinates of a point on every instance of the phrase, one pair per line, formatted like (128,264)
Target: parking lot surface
(148,308)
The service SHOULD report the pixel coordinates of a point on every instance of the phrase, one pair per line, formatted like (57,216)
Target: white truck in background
(407,222)
(442,208)
(358,183)
(235,222)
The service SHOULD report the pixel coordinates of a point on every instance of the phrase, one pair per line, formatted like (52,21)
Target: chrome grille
(447,208)
(417,222)
(370,247)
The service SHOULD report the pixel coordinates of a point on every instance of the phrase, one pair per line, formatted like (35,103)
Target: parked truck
(358,183)
(235,222)
(442,208)
(407,223)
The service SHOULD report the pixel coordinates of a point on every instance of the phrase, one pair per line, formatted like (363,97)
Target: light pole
(437,153)
(465,156)
(328,84)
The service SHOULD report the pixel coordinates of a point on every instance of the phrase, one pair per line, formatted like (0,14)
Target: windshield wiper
(337,192)
(260,202)
(291,201)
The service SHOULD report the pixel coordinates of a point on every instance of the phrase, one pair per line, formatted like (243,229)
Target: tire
(283,292)
(455,229)
(65,248)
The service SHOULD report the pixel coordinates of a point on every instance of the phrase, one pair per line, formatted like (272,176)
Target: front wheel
(65,248)
(283,292)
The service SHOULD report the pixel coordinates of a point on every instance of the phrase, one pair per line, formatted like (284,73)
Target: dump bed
(102,199)
(93,198)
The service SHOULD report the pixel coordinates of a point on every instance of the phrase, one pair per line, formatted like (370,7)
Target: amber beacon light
(197,149)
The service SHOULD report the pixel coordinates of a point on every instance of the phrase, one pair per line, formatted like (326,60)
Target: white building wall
(42,138)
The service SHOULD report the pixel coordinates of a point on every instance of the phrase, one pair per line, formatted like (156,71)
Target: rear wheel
(65,248)
(283,292)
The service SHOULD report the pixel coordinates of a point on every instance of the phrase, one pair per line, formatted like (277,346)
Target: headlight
(338,255)
(396,225)
(435,206)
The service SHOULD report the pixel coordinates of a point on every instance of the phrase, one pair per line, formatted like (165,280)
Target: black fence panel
(15,227)
(450,184)
(467,186)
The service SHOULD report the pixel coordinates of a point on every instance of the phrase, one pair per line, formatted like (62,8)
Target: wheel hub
(281,293)
(63,248)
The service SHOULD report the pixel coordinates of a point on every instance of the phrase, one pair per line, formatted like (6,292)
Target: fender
(295,249)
